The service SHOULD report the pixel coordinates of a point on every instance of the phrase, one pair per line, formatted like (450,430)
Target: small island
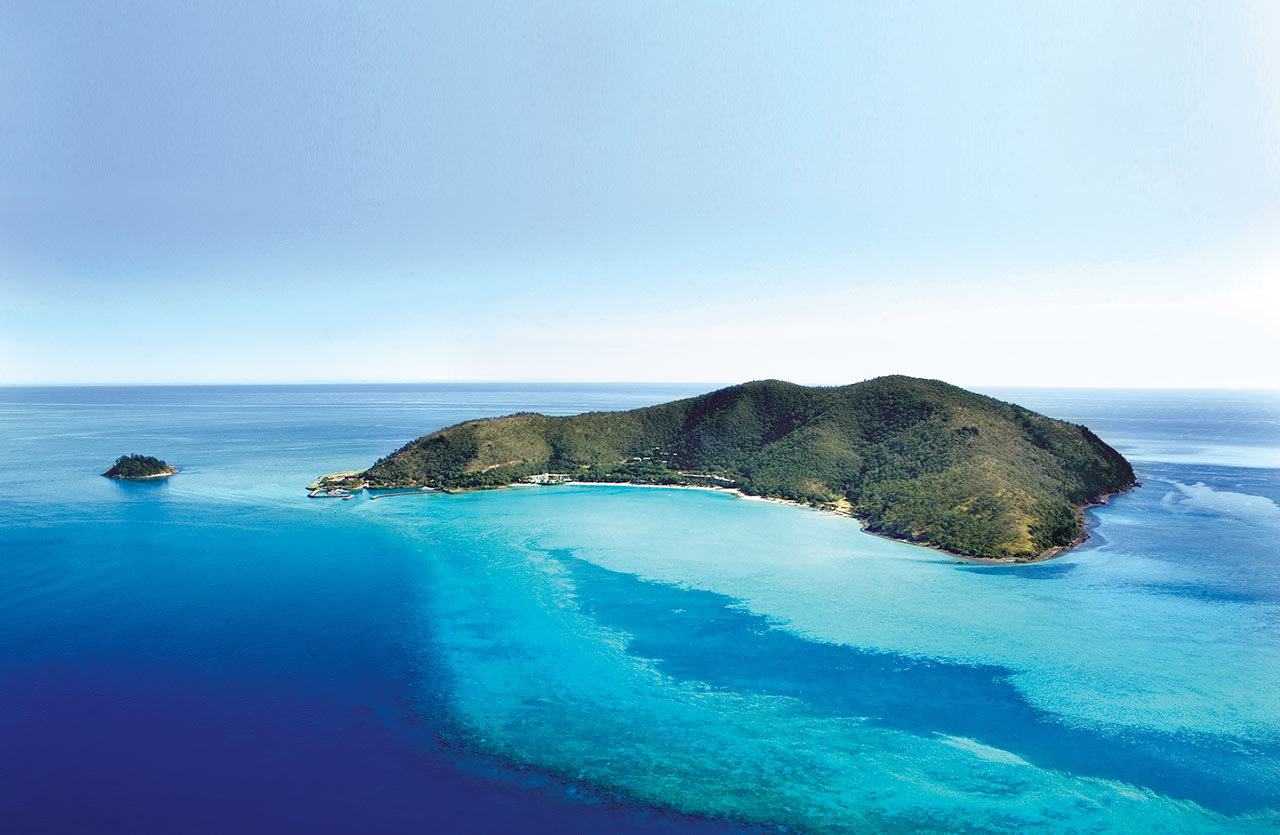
(912,459)
(136,467)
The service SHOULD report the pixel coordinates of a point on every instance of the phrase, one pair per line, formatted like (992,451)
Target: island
(912,459)
(139,467)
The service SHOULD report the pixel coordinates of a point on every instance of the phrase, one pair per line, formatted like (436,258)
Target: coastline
(172,471)
(1048,554)
(1043,556)
(345,490)
(862,525)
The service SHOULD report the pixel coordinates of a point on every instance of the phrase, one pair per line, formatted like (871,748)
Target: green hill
(914,459)
(139,466)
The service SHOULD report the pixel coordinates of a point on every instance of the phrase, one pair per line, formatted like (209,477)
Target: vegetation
(139,466)
(914,459)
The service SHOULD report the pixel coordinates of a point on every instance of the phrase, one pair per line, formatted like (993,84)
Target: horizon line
(548,382)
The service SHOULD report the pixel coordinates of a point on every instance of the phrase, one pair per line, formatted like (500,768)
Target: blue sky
(1020,193)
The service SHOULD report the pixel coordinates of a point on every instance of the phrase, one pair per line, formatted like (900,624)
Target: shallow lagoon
(220,651)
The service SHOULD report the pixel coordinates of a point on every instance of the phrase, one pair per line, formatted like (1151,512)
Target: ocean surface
(218,653)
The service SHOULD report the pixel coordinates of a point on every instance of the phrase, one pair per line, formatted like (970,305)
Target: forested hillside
(916,459)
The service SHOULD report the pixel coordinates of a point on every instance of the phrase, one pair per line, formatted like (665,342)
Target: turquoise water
(218,651)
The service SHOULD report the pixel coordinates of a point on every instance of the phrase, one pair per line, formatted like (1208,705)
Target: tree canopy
(138,466)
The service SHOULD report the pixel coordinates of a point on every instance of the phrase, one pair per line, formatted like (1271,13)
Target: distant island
(137,467)
(913,459)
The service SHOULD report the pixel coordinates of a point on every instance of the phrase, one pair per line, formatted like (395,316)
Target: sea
(217,653)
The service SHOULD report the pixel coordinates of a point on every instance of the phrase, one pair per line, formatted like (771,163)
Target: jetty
(326,486)
(335,493)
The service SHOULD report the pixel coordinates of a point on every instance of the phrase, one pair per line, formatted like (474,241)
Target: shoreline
(173,471)
(738,492)
(862,525)
(1043,556)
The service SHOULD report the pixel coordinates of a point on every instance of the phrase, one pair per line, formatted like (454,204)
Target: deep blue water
(218,653)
